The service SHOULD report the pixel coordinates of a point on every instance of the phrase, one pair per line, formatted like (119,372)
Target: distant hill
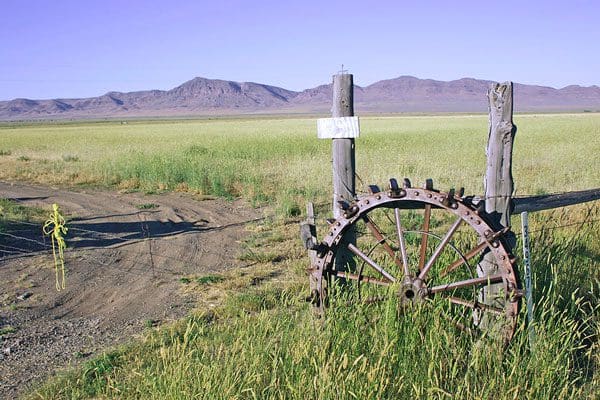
(201,96)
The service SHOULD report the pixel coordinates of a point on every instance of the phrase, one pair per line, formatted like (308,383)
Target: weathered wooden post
(342,128)
(344,163)
(498,181)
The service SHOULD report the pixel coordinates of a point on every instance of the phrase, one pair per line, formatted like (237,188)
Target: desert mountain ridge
(204,97)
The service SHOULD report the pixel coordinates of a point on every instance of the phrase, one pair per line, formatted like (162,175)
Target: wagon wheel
(420,245)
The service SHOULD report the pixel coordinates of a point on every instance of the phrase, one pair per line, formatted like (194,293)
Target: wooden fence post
(498,181)
(343,149)
(344,164)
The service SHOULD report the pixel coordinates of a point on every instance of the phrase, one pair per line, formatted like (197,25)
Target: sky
(84,48)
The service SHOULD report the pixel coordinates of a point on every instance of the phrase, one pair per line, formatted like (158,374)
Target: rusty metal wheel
(421,246)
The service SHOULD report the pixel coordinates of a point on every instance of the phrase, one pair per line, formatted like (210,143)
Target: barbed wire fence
(19,241)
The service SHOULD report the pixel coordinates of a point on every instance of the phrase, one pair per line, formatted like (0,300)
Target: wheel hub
(413,290)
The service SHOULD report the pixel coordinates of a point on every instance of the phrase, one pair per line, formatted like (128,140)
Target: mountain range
(205,97)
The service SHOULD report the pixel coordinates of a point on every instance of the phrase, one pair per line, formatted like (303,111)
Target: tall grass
(265,343)
(281,160)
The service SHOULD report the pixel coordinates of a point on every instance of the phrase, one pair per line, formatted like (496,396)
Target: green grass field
(262,341)
(281,160)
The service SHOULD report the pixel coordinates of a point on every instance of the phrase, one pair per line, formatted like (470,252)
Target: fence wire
(145,236)
(141,261)
(16,245)
(116,264)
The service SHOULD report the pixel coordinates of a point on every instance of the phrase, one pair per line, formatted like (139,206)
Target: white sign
(338,128)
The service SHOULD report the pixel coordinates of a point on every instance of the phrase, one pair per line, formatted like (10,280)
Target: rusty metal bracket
(351,212)
(395,191)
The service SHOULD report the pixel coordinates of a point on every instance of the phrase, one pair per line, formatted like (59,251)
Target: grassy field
(281,161)
(261,341)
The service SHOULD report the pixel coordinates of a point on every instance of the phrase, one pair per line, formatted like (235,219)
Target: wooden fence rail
(549,201)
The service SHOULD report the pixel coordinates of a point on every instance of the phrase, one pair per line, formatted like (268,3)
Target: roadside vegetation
(10,210)
(254,335)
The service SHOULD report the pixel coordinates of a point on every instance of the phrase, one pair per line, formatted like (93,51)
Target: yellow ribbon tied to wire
(56,229)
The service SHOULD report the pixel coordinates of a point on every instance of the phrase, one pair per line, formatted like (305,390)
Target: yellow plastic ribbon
(56,229)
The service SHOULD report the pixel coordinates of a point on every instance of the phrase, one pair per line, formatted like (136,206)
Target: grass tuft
(69,158)
(209,279)
(147,206)
(7,329)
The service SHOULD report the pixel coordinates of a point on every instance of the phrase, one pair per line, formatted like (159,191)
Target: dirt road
(126,256)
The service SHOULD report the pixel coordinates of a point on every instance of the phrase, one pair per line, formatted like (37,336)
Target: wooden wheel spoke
(444,242)
(424,236)
(370,262)
(462,260)
(476,306)
(381,239)
(402,242)
(468,282)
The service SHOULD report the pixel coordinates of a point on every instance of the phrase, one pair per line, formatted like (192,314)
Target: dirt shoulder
(127,253)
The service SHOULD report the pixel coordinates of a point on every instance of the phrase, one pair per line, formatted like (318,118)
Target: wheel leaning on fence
(421,246)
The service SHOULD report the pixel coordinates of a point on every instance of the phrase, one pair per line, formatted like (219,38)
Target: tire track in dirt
(114,285)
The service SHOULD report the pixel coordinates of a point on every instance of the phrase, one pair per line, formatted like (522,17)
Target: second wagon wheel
(421,245)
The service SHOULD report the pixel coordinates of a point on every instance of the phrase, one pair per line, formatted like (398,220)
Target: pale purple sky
(81,48)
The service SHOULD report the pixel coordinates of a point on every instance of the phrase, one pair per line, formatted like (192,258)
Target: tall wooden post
(343,160)
(343,149)
(498,181)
